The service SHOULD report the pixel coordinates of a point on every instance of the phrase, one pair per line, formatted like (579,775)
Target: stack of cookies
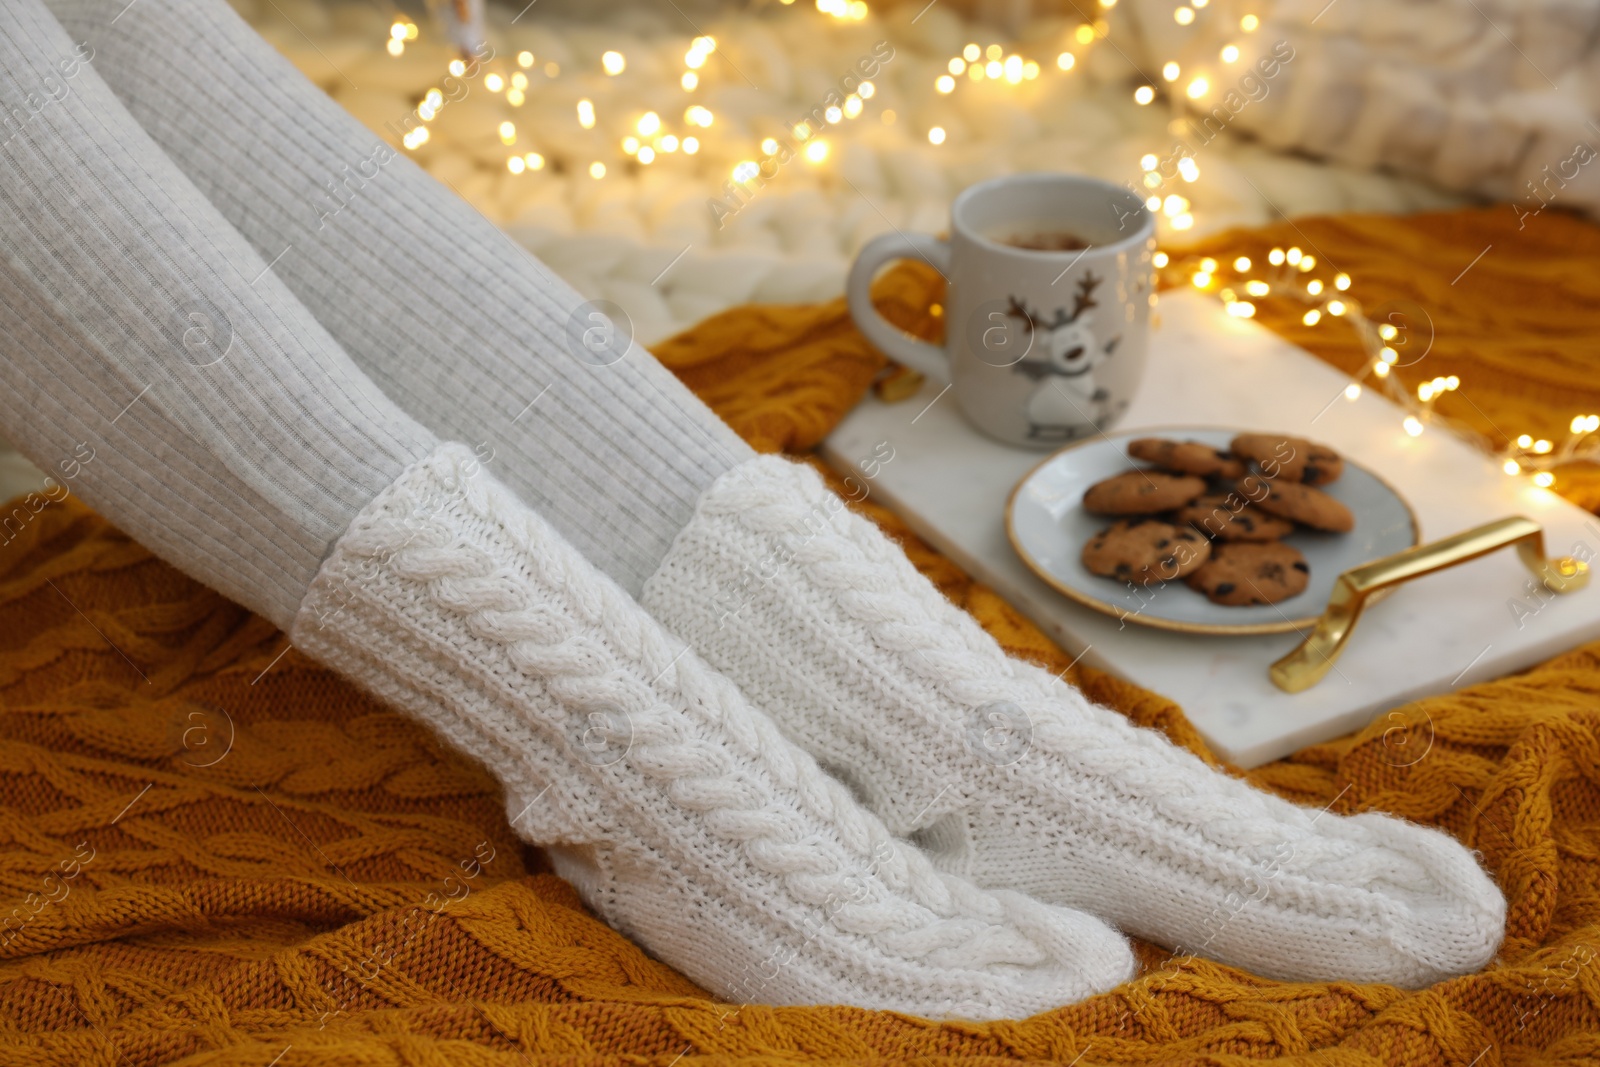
(1216,519)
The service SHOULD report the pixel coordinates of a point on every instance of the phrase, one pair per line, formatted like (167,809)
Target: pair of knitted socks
(674,803)
(163,368)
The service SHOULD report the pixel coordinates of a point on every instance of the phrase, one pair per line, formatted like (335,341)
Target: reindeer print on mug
(1067,401)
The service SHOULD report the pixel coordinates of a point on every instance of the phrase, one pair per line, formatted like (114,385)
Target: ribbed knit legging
(461,328)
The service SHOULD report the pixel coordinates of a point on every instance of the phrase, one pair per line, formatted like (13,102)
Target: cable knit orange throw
(212,850)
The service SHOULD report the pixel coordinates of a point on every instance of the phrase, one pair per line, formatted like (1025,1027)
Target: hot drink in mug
(1048,305)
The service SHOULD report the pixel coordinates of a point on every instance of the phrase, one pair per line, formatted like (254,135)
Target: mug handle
(901,347)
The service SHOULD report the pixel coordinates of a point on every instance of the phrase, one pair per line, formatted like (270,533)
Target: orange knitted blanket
(212,850)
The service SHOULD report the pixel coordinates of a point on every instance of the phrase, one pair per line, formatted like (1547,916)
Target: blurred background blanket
(214,851)
(1385,106)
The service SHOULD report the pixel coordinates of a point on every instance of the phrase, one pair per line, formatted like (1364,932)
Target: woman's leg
(211,417)
(862,660)
(464,329)
(147,334)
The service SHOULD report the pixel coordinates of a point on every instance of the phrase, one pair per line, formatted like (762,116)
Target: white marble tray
(1432,635)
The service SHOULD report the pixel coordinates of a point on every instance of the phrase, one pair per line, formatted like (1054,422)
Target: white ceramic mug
(1042,347)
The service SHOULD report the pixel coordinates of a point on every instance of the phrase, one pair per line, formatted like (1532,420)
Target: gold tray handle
(1306,665)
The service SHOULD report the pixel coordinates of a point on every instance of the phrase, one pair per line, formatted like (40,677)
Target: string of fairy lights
(1292,273)
(1237,283)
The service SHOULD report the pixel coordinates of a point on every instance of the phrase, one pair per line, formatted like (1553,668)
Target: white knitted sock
(462,328)
(1009,776)
(683,816)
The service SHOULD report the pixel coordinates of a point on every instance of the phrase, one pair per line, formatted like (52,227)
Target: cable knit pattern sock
(1009,776)
(683,815)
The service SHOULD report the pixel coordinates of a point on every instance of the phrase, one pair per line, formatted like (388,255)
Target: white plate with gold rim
(1048,526)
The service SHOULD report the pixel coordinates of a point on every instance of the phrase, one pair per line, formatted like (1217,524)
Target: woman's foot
(1012,778)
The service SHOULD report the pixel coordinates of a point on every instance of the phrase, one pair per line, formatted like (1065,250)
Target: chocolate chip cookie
(1298,503)
(1289,459)
(1242,574)
(1187,457)
(1229,517)
(1145,550)
(1142,493)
